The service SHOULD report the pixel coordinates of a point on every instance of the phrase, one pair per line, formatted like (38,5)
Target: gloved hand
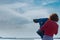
(35,20)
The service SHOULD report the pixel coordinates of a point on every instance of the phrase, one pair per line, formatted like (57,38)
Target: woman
(50,27)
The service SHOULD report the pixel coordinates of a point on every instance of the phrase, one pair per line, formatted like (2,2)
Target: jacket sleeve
(56,30)
(38,20)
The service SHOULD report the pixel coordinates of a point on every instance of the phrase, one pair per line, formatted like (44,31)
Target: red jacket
(50,28)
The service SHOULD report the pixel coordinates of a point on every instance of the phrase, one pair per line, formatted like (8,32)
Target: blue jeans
(40,33)
(46,37)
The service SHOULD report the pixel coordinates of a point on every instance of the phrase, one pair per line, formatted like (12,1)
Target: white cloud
(11,17)
(39,13)
(46,2)
(15,5)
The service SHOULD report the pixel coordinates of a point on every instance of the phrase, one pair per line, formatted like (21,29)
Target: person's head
(54,17)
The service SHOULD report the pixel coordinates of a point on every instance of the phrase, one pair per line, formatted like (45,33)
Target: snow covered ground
(41,39)
(25,39)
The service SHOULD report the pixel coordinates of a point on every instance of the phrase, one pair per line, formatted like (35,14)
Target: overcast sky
(16,16)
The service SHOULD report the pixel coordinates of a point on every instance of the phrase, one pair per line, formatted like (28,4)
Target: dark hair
(54,17)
